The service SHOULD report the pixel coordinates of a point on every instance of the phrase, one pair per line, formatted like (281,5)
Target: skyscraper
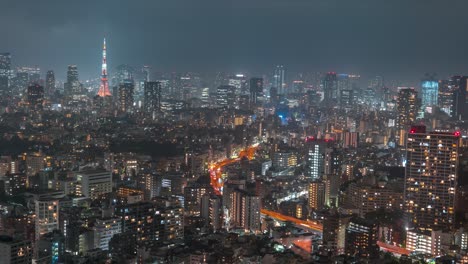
(407,109)
(5,70)
(461,99)
(125,96)
(330,88)
(50,83)
(431,177)
(279,79)
(315,159)
(430,91)
(245,210)
(35,94)
(73,85)
(256,90)
(104,88)
(152,97)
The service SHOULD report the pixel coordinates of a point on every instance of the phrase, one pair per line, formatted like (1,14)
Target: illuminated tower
(104,89)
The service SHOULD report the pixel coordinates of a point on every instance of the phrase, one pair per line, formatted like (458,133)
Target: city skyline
(398,39)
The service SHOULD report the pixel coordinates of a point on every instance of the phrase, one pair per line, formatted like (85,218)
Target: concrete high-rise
(152,98)
(94,183)
(431,177)
(47,216)
(279,79)
(407,110)
(73,85)
(50,83)
(125,96)
(256,91)
(330,88)
(5,71)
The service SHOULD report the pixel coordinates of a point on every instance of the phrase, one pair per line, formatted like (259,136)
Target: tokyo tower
(104,88)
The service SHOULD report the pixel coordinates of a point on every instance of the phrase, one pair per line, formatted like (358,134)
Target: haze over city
(265,131)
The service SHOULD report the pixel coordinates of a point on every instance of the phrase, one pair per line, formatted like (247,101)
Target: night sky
(395,38)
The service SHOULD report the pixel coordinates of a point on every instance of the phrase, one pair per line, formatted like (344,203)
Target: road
(317,227)
(216,168)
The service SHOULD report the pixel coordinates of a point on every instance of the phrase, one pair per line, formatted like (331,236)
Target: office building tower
(407,109)
(317,193)
(47,216)
(346,98)
(104,87)
(330,88)
(274,97)
(334,231)
(461,99)
(50,83)
(73,85)
(5,71)
(35,162)
(35,95)
(125,96)
(245,210)
(279,79)
(152,97)
(15,183)
(315,158)
(256,91)
(239,81)
(94,183)
(225,96)
(448,90)
(15,251)
(431,177)
(430,92)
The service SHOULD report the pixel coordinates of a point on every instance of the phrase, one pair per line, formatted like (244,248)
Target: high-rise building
(430,92)
(330,88)
(94,183)
(212,210)
(317,193)
(104,230)
(279,79)
(361,238)
(35,95)
(461,99)
(245,210)
(225,96)
(431,177)
(407,110)
(104,88)
(448,90)
(15,251)
(152,97)
(194,192)
(73,85)
(50,83)
(47,216)
(151,222)
(315,158)
(256,91)
(5,72)
(125,96)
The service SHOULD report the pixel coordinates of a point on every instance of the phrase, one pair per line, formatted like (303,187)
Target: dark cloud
(395,38)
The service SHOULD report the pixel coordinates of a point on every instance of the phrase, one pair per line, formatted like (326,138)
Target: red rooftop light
(457,133)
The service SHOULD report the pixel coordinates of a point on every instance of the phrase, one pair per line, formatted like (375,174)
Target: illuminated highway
(317,227)
(311,225)
(217,180)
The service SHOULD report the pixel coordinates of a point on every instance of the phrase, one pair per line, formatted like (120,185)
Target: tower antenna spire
(104,88)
